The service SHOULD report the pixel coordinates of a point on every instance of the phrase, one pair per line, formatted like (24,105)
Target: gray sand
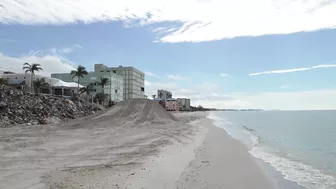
(137,144)
(222,162)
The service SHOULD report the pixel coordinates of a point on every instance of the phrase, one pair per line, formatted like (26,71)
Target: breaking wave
(304,175)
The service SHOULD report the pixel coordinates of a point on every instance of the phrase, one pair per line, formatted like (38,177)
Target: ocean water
(301,145)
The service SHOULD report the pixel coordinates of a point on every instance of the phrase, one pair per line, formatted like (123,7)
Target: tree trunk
(103,95)
(77,86)
(31,82)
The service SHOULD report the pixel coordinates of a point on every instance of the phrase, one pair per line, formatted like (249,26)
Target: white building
(133,83)
(163,94)
(57,86)
(114,88)
(184,103)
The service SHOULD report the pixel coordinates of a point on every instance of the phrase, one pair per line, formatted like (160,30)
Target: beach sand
(222,162)
(135,145)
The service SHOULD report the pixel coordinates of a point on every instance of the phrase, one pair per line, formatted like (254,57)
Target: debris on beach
(32,109)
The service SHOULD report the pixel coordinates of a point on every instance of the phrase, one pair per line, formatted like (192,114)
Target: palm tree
(160,95)
(80,72)
(40,83)
(103,82)
(100,97)
(153,96)
(32,68)
(87,90)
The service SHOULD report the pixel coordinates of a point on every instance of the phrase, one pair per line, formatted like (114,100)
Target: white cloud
(198,20)
(151,74)
(147,83)
(284,86)
(65,50)
(304,100)
(213,95)
(223,74)
(294,69)
(176,77)
(49,63)
(205,94)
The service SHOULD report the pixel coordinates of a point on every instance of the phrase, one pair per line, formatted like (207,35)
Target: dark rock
(19,108)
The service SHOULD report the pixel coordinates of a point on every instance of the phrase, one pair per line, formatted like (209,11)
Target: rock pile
(19,108)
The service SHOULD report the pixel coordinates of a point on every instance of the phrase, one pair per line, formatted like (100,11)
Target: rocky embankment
(19,108)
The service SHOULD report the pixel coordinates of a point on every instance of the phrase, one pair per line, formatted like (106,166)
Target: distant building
(133,80)
(163,94)
(114,89)
(57,86)
(184,103)
(171,104)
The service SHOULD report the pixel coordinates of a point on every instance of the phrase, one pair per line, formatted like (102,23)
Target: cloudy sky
(271,54)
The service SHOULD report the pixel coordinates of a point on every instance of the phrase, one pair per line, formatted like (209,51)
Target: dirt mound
(19,108)
(139,111)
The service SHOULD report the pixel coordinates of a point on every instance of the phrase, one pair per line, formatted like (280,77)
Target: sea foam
(304,175)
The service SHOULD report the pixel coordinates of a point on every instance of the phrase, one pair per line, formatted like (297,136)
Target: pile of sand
(138,111)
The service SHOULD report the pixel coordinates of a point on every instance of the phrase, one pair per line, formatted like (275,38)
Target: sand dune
(136,144)
(74,154)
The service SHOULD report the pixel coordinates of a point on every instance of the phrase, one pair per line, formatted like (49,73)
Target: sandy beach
(135,145)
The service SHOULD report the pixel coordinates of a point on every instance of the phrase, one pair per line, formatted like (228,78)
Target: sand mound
(139,111)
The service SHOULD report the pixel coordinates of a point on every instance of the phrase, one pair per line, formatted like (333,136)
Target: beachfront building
(171,104)
(56,86)
(164,95)
(184,104)
(114,89)
(133,80)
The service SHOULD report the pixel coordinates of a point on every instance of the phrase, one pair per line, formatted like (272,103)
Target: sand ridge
(92,152)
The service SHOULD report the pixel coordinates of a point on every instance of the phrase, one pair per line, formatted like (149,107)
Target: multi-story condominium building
(114,89)
(163,94)
(133,80)
(184,103)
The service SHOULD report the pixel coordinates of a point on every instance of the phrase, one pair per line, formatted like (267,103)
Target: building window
(142,89)
(15,77)
(101,70)
(114,71)
(107,70)
(116,91)
(24,77)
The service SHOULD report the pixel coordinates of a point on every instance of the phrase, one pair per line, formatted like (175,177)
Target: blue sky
(279,59)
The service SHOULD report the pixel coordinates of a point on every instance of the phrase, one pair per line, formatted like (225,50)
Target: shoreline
(284,172)
(158,153)
(223,162)
(209,159)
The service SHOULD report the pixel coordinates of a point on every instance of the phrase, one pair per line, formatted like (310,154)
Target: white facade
(163,94)
(133,80)
(24,80)
(184,103)
(114,88)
